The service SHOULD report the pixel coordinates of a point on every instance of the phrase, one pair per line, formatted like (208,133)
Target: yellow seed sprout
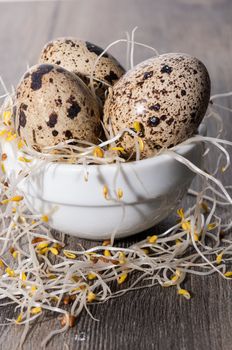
(105,192)
(15,254)
(33,289)
(228,274)
(152,239)
(11,136)
(36,310)
(180,213)
(107,253)
(176,276)
(20,144)
(122,278)
(91,276)
(23,276)
(69,255)
(122,258)
(10,272)
(45,218)
(91,297)
(3,132)
(137,126)
(53,250)
(6,117)
(178,242)
(184,293)
(98,152)
(119,149)
(119,193)
(19,318)
(16,199)
(212,226)
(219,258)
(186,226)
(3,168)
(43,250)
(24,159)
(12,199)
(42,245)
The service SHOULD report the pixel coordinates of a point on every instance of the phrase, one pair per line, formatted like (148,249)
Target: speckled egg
(168,95)
(79,57)
(54,105)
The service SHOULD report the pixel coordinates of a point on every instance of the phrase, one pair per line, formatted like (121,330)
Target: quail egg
(79,57)
(54,105)
(166,97)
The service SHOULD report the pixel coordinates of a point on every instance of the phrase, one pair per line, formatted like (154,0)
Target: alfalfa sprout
(39,273)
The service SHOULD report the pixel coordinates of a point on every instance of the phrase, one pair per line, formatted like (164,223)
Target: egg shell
(54,105)
(167,94)
(79,56)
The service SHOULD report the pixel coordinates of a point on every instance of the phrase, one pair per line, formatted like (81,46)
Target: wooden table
(155,318)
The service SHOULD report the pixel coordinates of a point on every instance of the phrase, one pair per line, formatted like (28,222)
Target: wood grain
(154,318)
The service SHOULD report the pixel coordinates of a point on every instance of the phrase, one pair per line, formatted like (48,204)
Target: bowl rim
(51,176)
(182,149)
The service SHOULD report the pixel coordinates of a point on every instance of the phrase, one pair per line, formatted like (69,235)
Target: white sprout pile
(39,273)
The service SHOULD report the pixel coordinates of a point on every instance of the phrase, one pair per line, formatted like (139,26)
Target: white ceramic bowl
(152,189)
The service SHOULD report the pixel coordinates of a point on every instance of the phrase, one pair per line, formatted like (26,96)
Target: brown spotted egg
(78,57)
(54,105)
(167,95)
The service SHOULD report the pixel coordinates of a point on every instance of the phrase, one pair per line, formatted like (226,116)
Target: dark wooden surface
(155,318)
